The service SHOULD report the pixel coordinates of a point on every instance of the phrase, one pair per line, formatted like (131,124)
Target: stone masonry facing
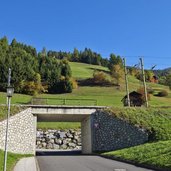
(22,133)
(110,133)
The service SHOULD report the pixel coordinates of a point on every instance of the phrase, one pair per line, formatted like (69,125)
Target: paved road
(50,161)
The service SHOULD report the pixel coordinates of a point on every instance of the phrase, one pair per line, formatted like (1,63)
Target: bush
(141,91)
(67,86)
(150,90)
(32,87)
(74,83)
(162,93)
(64,85)
(100,78)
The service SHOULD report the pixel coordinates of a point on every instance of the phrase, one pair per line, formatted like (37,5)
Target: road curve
(66,161)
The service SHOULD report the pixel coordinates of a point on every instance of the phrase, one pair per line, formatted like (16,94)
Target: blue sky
(130,28)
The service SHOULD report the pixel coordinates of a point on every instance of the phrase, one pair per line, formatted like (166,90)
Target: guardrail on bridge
(60,101)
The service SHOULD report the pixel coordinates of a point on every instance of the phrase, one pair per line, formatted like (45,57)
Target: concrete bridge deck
(63,113)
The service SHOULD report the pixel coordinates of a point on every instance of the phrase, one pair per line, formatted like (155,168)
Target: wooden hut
(136,99)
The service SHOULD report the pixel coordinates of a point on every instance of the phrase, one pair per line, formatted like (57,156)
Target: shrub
(67,84)
(100,78)
(141,91)
(162,93)
(74,83)
(33,87)
(150,90)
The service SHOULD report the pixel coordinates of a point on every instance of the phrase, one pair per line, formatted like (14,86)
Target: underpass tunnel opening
(56,132)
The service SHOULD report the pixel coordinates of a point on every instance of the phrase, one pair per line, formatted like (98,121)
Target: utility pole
(144,82)
(126,82)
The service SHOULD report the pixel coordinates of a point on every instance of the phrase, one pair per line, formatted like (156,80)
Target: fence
(57,101)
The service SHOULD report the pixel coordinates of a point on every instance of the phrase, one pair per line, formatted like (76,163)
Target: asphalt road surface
(69,161)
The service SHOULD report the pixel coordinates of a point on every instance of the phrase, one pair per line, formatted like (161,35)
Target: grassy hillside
(105,96)
(82,71)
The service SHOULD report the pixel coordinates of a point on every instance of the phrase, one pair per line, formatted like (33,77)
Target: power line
(156,57)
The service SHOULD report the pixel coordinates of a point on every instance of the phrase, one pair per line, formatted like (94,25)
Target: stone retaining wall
(59,139)
(110,133)
(22,133)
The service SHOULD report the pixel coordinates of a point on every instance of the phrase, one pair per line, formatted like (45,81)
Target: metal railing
(63,101)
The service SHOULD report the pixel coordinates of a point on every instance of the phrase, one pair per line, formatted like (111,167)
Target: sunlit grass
(156,154)
(82,70)
(58,125)
(11,160)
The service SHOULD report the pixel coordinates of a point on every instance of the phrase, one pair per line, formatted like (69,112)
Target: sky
(129,28)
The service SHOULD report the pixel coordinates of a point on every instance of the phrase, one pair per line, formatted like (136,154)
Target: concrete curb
(37,165)
(27,164)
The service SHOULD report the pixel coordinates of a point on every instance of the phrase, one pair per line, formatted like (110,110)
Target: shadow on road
(58,153)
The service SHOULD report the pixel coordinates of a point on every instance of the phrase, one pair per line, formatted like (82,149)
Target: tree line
(85,56)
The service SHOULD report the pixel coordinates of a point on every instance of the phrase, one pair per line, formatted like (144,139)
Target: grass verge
(11,161)
(156,154)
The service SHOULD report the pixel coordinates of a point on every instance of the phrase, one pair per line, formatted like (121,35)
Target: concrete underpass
(69,114)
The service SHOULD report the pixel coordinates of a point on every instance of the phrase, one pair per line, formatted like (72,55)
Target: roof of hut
(133,94)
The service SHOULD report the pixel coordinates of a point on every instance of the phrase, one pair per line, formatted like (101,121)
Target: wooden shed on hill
(154,79)
(136,99)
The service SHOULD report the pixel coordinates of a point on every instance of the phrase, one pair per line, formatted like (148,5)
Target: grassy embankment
(14,110)
(156,154)
(158,123)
